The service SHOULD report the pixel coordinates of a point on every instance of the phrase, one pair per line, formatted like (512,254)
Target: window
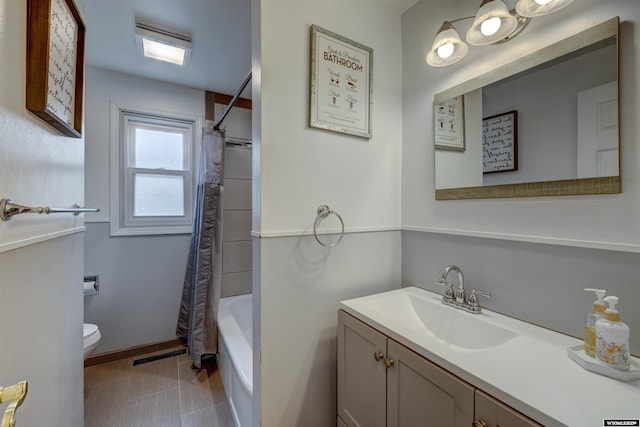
(153,172)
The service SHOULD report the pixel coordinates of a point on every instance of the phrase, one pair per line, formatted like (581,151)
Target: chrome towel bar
(8,209)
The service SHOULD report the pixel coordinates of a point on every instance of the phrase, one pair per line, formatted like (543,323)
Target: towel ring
(323,212)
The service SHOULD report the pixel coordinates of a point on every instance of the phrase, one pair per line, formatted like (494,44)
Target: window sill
(149,231)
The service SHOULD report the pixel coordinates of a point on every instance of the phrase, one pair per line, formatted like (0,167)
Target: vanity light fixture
(534,8)
(493,23)
(447,47)
(164,45)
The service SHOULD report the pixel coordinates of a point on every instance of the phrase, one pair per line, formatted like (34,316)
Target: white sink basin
(453,326)
(492,352)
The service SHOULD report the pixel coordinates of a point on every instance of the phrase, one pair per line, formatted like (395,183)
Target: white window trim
(119,226)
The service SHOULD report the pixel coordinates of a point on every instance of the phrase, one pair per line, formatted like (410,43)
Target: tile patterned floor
(162,393)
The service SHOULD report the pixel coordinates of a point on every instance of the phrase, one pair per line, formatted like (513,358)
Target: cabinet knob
(378,355)
(479,423)
(388,362)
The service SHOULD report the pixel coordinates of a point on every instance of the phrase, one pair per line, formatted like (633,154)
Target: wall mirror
(543,125)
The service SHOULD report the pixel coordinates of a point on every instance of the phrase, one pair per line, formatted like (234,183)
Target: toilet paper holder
(91,285)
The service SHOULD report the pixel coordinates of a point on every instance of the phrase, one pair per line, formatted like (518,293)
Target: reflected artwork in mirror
(552,116)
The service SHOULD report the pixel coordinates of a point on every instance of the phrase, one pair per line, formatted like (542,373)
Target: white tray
(578,355)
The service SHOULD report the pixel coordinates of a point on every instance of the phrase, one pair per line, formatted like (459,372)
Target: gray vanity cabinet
(420,393)
(383,383)
(496,414)
(362,375)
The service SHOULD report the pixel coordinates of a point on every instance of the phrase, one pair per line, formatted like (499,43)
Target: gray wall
(140,286)
(541,284)
(41,329)
(299,321)
(141,277)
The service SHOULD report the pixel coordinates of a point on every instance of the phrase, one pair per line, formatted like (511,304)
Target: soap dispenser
(612,338)
(599,307)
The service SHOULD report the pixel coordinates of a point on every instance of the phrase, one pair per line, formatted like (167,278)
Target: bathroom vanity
(405,358)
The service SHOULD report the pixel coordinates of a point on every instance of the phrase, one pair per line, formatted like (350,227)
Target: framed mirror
(543,125)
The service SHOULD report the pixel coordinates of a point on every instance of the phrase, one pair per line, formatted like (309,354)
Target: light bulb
(490,26)
(446,50)
(543,2)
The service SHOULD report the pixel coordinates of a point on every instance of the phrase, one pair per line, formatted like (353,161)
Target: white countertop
(531,372)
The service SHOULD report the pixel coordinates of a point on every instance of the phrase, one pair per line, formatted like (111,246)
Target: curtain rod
(233,101)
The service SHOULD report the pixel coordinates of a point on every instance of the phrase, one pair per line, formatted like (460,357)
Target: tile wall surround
(236,225)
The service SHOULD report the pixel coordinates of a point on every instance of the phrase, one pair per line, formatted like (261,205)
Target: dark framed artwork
(55,64)
(500,142)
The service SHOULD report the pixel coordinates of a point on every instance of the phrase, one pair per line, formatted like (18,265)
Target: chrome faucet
(451,296)
(459,298)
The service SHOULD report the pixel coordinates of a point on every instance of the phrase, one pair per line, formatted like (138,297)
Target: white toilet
(91,338)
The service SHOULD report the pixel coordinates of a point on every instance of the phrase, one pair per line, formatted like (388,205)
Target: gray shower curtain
(197,324)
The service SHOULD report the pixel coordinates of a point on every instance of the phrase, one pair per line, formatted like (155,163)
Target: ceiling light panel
(163,45)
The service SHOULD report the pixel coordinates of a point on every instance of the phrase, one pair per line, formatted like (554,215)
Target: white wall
(511,254)
(604,221)
(463,168)
(308,167)
(297,283)
(40,257)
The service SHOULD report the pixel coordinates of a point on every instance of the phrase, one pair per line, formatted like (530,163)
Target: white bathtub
(235,355)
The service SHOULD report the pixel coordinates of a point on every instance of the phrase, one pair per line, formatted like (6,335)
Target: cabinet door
(496,414)
(361,378)
(420,393)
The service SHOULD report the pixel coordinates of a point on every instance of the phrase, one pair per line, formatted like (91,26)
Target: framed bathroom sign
(340,87)
(449,124)
(500,143)
(55,64)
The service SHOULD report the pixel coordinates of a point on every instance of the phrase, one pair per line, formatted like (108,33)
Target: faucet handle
(449,293)
(472,300)
(461,298)
(482,293)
